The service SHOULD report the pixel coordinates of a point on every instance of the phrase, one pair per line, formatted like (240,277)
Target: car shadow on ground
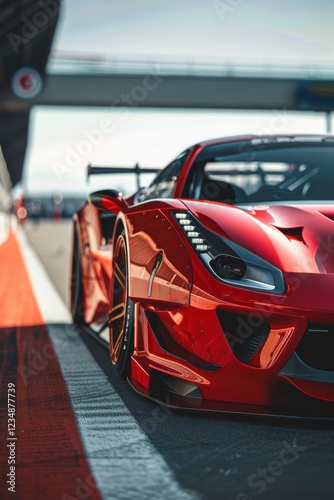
(219,456)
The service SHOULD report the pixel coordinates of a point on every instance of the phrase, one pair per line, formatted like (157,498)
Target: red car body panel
(95,262)
(178,328)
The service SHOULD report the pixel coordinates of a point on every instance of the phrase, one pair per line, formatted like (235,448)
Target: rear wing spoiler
(137,170)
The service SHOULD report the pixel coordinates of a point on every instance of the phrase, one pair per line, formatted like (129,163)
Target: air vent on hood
(329,216)
(292,233)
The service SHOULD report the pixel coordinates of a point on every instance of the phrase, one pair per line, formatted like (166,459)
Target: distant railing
(77,63)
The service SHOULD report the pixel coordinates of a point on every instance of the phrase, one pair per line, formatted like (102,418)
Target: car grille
(245,334)
(316,348)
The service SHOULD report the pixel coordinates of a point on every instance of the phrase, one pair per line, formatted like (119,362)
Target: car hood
(295,238)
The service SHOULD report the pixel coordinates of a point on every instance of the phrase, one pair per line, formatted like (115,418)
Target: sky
(263,31)
(61,140)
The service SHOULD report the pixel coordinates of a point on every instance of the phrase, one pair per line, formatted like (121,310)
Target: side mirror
(109,199)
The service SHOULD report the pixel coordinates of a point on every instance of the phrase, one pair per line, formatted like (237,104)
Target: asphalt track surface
(126,447)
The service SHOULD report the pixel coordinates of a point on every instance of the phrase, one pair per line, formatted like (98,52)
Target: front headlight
(229,262)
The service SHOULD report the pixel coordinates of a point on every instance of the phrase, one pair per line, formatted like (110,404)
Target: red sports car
(217,280)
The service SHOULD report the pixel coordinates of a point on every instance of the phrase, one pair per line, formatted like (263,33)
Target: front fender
(160,266)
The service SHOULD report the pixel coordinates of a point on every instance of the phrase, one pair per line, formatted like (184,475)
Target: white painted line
(4,226)
(51,305)
(124,462)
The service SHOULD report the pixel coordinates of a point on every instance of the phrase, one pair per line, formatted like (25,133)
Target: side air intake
(244,338)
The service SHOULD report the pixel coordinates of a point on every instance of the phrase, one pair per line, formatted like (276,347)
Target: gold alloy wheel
(117,315)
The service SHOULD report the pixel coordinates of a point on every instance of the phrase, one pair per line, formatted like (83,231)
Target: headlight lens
(228,267)
(229,262)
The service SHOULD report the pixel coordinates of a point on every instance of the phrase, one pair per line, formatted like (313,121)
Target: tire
(77,298)
(121,314)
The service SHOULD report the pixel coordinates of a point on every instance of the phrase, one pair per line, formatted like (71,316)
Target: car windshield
(259,171)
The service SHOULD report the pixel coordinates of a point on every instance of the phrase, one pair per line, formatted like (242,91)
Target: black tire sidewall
(123,365)
(78,298)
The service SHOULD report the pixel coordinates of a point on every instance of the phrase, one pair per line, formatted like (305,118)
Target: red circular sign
(27,83)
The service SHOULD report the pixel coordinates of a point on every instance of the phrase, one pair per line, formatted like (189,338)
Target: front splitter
(301,408)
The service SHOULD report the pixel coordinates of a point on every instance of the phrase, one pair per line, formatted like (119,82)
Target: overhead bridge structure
(75,82)
(149,86)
